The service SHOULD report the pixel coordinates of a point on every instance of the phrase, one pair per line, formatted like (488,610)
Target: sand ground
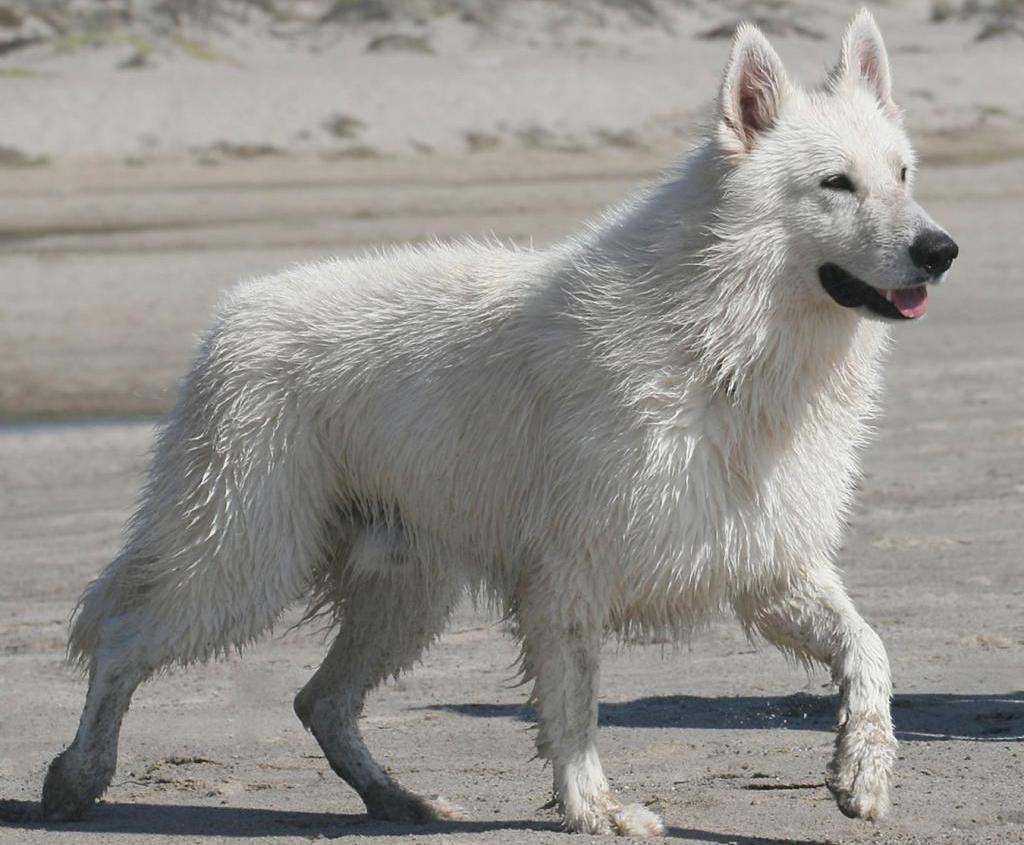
(109,276)
(138,180)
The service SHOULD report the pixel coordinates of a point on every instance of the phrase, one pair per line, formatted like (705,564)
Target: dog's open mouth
(850,292)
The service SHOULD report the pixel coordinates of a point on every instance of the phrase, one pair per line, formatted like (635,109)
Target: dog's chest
(731,488)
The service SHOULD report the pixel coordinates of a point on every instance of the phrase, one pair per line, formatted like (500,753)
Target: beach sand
(114,250)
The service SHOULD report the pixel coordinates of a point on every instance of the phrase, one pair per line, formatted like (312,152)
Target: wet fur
(655,420)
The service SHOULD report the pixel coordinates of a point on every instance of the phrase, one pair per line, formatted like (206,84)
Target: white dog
(657,419)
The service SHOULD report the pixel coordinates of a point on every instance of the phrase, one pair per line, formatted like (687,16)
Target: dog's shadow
(254,823)
(974,718)
(917,716)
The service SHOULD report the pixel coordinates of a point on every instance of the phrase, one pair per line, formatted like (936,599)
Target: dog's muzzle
(847,290)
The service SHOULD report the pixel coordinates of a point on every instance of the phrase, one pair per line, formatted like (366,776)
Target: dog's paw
(443,810)
(389,802)
(636,820)
(860,774)
(612,818)
(71,788)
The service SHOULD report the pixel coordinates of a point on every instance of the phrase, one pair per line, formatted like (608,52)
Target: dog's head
(833,168)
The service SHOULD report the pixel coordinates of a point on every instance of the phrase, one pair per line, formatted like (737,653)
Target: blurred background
(155,152)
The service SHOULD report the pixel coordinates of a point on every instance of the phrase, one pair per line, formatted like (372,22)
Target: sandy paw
(441,809)
(860,774)
(389,802)
(636,820)
(69,791)
(631,820)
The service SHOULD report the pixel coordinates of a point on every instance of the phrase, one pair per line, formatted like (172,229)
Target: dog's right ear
(752,93)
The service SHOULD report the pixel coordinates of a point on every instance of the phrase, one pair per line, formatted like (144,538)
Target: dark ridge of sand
(111,272)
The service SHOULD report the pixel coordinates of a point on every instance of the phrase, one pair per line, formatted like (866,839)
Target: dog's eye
(903,175)
(838,182)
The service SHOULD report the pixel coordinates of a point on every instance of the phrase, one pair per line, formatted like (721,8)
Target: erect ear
(753,90)
(864,60)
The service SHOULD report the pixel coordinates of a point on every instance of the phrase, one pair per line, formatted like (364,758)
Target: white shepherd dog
(654,420)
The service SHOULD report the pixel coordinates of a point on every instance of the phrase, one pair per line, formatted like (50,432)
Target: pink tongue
(910,302)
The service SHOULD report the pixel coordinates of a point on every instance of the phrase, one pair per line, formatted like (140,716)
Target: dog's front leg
(561,649)
(860,773)
(813,617)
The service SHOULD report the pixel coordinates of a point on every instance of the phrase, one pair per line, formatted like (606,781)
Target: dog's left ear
(752,93)
(864,60)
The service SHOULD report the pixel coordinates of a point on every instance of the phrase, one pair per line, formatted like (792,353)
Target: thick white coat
(656,419)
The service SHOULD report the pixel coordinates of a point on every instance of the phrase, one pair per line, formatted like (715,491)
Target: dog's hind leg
(229,532)
(561,636)
(391,611)
(80,774)
(815,619)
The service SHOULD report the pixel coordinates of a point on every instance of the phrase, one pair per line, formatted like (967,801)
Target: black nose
(933,251)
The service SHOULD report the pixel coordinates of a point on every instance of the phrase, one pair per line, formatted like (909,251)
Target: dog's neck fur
(715,301)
